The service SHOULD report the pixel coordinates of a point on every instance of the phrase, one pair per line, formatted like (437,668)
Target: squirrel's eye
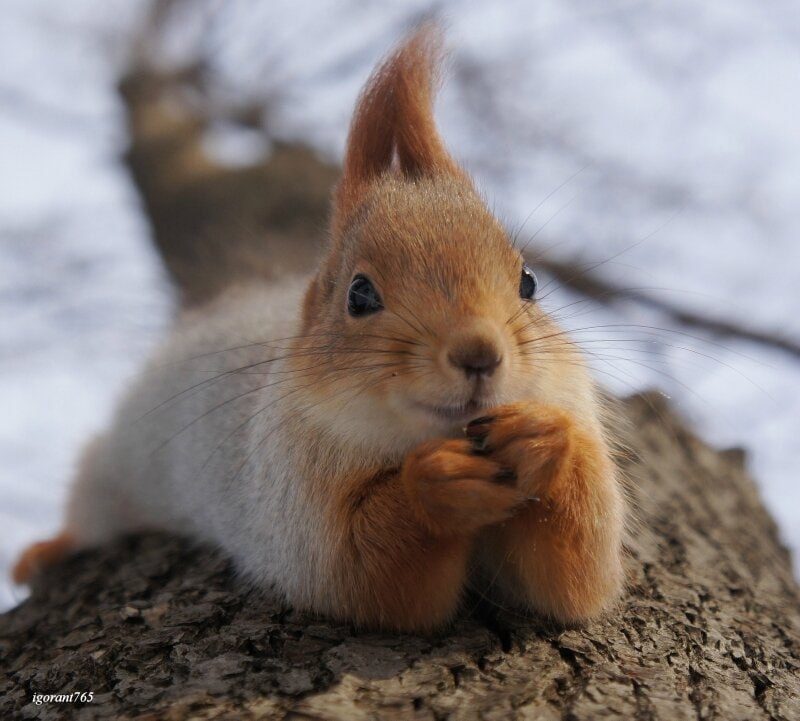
(527,283)
(362,298)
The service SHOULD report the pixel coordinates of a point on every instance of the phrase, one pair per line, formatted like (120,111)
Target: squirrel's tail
(38,556)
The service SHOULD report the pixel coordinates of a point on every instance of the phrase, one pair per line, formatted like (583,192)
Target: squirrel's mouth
(456,412)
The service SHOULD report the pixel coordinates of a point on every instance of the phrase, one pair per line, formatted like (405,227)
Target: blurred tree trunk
(212,224)
(157,628)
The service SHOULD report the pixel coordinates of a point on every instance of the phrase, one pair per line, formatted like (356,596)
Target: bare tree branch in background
(213,224)
(575,276)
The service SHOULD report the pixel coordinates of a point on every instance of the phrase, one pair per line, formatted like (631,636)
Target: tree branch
(583,281)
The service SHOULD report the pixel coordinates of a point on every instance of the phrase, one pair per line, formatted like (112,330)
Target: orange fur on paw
(392,572)
(410,532)
(561,554)
(536,441)
(38,556)
(456,491)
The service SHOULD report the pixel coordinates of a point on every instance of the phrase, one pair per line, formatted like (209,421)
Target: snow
(656,140)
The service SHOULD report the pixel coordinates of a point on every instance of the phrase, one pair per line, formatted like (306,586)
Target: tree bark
(708,629)
(158,628)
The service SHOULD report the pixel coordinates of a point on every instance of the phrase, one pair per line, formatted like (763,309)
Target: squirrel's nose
(476,357)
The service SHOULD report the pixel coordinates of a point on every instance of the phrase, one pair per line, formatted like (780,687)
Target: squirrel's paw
(534,440)
(455,490)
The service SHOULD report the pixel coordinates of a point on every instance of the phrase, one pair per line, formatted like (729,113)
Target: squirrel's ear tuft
(393,126)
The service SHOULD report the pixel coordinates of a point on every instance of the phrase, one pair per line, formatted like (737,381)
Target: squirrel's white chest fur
(199,444)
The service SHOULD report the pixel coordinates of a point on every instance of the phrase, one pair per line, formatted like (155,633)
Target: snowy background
(658,140)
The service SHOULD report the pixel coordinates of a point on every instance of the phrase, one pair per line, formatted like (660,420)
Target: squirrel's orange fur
(38,556)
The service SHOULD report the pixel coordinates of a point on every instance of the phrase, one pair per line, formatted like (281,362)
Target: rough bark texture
(708,629)
(156,628)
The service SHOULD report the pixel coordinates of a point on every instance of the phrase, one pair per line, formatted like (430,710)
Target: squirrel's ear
(393,125)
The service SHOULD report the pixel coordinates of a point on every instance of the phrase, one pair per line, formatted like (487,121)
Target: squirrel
(372,440)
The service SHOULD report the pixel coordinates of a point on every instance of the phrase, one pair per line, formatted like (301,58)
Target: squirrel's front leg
(561,554)
(406,535)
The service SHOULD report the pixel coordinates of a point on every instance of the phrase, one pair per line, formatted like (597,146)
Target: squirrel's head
(423,314)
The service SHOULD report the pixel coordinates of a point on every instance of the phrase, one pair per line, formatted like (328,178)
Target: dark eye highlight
(362,298)
(528,283)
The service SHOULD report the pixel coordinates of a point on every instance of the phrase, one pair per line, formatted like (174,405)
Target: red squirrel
(370,441)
